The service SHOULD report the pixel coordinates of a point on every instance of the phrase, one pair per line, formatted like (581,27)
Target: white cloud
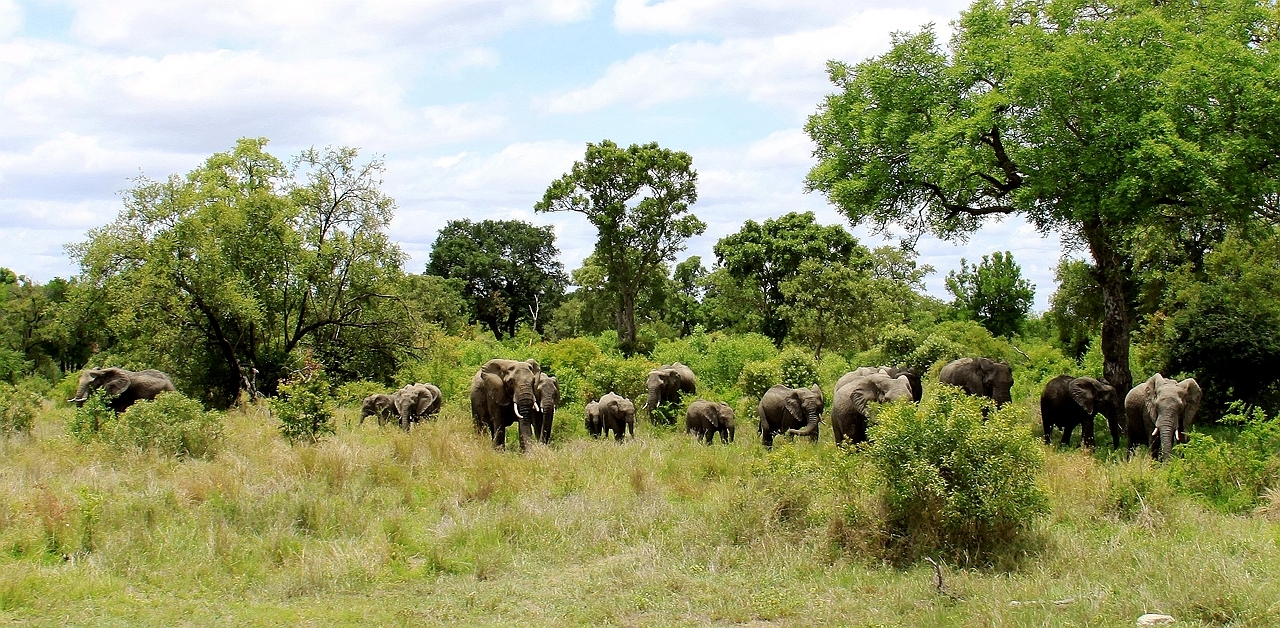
(752,18)
(10,18)
(786,70)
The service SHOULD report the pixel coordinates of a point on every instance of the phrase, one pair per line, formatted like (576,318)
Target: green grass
(373,526)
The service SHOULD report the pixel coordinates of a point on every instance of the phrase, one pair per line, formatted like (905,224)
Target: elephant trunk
(726,435)
(651,401)
(809,429)
(1166,440)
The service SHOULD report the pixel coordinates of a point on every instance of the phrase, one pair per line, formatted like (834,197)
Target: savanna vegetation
(269,291)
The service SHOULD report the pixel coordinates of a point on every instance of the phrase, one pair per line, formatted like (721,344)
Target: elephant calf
(853,394)
(1070,401)
(705,419)
(784,409)
(378,405)
(611,412)
(126,387)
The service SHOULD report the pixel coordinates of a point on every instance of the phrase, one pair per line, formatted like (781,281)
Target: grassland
(378,527)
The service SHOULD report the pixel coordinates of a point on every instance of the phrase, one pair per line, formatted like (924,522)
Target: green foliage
(934,349)
(993,293)
(170,424)
(758,377)
(954,481)
(508,269)
(92,418)
(716,358)
(798,368)
(1230,475)
(837,305)
(18,408)
(621,376)
(1076,306)
(305,405)
(352,393)
(638,200)
(12,365)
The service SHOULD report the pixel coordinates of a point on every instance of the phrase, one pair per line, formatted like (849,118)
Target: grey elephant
(917,390)
(705,419)
(795,411)
(849,403)
(125,387)
(547,389)
(1159,411)
(504,392)
(981,377)
(1070,401)
(666,384)
(415,402)
(380,405)
(611,412)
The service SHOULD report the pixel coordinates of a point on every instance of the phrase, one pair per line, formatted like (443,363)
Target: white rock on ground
(1155,619)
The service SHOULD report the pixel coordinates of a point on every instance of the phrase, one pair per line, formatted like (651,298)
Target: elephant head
(1095,397)
(416,401)
(708,419)
(1166,408)
(878,388)
(805,404)
(512,383)
(113,380)
(667,382)
(594,422)
(379,405)
(547,391)
(981,377)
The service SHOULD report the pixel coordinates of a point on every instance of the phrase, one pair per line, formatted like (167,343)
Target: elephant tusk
(536,407)
(1177,435)
(516,408)
(1155,431)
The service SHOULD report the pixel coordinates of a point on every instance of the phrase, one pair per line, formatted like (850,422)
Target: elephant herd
(1156,412)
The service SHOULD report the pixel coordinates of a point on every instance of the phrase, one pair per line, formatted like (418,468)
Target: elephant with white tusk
(667,383)
(1159,411)
(126,387)
(505,392)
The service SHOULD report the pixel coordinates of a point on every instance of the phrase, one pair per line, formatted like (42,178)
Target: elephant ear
(1084,391)
(533,364)
(1191,396)
(862,392)
(116,382)
(494,374)
(794,408)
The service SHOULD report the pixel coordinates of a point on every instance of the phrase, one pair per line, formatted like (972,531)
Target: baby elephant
(611,412)
(705,419)
(379,405)
(1070,401)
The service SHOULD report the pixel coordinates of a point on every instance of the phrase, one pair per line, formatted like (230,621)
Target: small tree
(638,199)
(835,305)
(992,293)
(305,404)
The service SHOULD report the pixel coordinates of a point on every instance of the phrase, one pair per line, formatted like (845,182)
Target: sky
(475,106)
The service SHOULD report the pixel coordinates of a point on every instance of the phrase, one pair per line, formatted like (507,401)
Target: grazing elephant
(547,388)
(126,387)
(917,390)
(611,412)
(667,382)
(705,419)
(1163,408)
(980,377)
(1070,401)
(502,393)
(380,405)
(849,404)
(415,402)
(785,409)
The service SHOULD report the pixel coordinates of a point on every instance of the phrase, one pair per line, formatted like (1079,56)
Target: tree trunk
(1111,271)
(627,324)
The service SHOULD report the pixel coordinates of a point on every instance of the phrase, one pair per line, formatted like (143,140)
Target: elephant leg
(1086,433)
(1066,435)
(526,434)
(836,432)
(1048,428)
(1114,426)
(499,436)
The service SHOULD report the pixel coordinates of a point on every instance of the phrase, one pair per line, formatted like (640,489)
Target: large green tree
(992,292)
(510,270)
(221,276)
(638,200)
(1090,119)
(771,253)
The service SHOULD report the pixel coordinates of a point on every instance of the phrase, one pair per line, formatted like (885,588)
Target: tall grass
(374,526)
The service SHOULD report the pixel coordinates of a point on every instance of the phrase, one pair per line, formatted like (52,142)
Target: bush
(353,393)
(92,418)
(799,369)
(931,351)
(897,343)
(305,406)
(18,409)
(1230,476)
(716,358)
(954,482)
(758,377)
(171,424)
(622,376)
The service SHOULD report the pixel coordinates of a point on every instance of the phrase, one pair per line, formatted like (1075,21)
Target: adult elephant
(380,405)
(1159,411)
(125,387)
(547,389)
(667,382)
(917,390)
(502,393)
(784,409)
(1070,401)
(705,419)
(415,402)
(981,377)
(849,404)
(611,413)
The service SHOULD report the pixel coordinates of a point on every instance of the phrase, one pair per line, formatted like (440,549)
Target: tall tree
(687,287)
(1089,119)
(992,292)
(510,270)
(638,199)
(771,253)
(837,306)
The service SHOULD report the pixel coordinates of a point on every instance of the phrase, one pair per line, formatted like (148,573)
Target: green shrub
(758,377)
(92,418)
(897,342)
(799,369)
(952,481)
(1230,476)
(171,424)
(18,409)
(716,358)
(572,353)
(353,393)
(622,376)
(931,351)
(305,405)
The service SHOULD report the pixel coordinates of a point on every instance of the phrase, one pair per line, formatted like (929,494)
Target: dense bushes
(1228,475)
(18,408)
(952,481)
(305,405)
(170,424)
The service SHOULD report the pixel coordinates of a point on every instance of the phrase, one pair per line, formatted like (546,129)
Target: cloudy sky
(476,105)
